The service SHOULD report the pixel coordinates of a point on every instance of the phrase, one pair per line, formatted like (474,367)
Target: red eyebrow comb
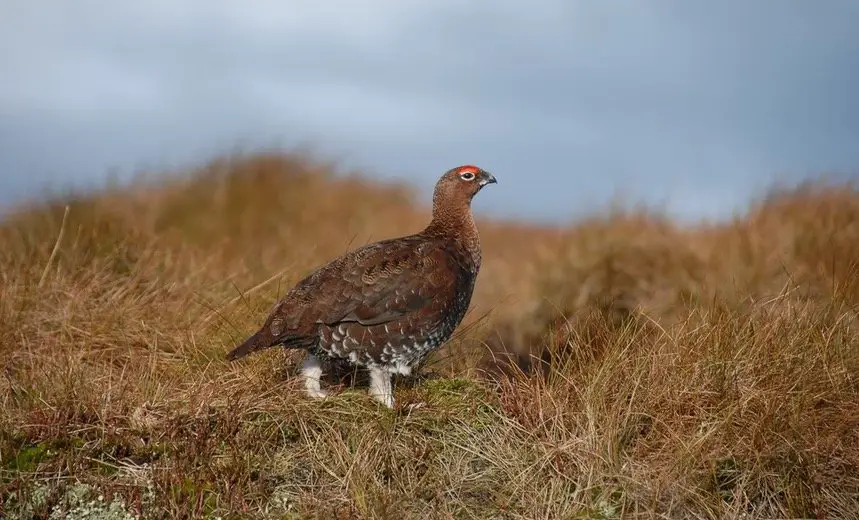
(469,168)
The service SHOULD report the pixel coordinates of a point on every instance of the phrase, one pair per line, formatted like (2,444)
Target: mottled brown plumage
(387,305)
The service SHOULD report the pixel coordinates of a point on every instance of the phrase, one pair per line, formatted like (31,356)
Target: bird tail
(256,342)
(263,339)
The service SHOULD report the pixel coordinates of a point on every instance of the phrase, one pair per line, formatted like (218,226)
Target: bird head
(454,191)
(463,182)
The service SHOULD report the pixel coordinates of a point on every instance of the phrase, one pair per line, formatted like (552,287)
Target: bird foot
(317,393)
(311,369)
(415,406)
(380,387)
(385,399)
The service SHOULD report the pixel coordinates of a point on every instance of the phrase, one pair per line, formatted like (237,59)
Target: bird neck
(451,214)
(457,223)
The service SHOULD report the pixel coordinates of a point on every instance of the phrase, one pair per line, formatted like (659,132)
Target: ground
(619,367)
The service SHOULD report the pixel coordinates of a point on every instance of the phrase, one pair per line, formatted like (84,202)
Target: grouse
(385,306)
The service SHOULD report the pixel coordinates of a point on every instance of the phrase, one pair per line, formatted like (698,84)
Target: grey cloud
(696,105)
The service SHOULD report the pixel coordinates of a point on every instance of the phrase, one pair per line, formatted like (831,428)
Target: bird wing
(388,281)
(373,285)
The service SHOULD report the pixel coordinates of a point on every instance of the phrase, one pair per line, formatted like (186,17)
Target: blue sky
(692,106)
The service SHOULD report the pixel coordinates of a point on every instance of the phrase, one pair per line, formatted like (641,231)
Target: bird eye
(467,176)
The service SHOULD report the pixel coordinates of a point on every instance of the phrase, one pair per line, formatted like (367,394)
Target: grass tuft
(620,367)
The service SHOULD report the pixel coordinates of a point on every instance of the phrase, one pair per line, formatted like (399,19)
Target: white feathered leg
(380,386)
(311,370)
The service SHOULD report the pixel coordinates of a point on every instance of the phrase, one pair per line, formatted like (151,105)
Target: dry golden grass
(707,372)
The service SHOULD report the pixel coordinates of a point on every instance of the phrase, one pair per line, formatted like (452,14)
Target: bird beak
(486,178)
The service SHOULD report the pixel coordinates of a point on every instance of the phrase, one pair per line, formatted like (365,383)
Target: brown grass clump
(703,372)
